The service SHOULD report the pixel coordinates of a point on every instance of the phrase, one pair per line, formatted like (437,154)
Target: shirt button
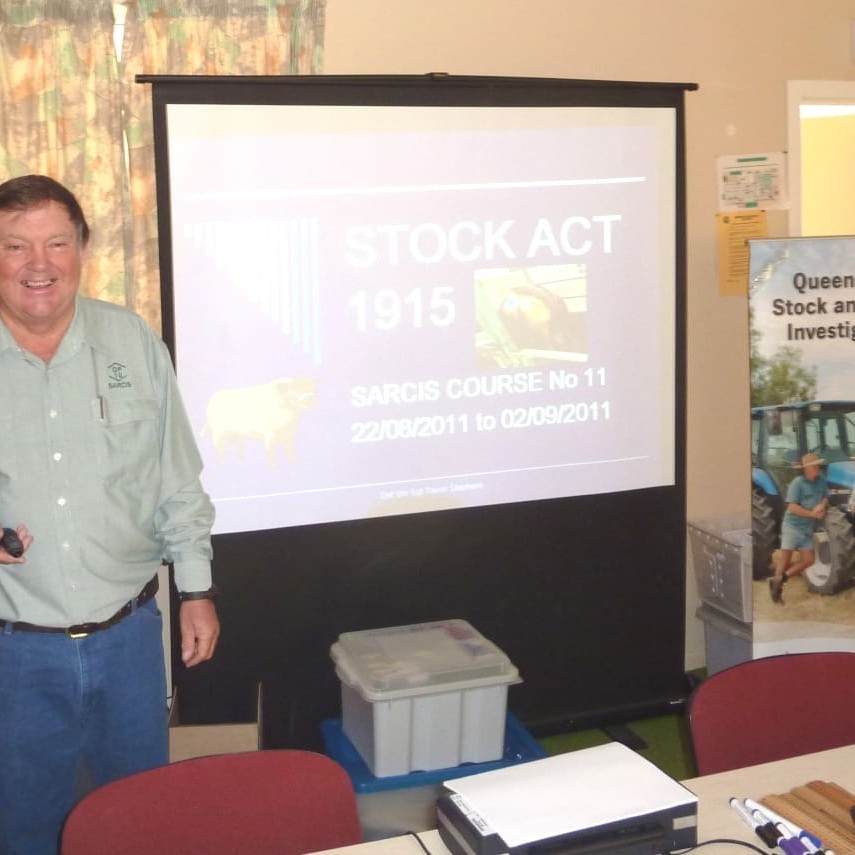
(66,546)
(57,456)
(53,414)
(61,501)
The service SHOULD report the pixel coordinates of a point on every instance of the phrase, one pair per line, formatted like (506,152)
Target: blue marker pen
(814,850)
(811,847)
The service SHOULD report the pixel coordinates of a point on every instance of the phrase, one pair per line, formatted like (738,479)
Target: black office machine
(606,800)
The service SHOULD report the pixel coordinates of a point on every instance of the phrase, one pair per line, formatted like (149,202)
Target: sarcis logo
(118,376)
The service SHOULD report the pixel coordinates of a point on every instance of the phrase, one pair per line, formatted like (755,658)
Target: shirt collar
(6,340)
(71,341)
(77,335)
(84,331)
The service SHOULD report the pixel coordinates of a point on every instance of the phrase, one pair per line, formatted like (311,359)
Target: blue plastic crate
(520,746)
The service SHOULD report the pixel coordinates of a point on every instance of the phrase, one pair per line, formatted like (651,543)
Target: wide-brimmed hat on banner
(809,459)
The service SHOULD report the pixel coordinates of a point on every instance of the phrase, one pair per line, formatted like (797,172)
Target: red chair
(259,802)
(771,708)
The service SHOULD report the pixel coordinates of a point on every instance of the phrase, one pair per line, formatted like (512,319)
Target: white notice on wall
(753,181)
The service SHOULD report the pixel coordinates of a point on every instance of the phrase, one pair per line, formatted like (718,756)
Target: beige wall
(741,54)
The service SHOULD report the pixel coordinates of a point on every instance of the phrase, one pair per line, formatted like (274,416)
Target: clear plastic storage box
(424,696)
(721,554)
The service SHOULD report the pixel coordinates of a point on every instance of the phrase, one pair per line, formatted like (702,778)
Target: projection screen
(430,334)
(389,309)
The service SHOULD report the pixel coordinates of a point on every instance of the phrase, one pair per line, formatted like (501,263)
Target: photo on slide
(530,316)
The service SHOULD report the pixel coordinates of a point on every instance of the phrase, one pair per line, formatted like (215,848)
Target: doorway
(821,136)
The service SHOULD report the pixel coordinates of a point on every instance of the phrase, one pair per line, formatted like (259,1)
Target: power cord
(724,841)
(419,841)
(728,841)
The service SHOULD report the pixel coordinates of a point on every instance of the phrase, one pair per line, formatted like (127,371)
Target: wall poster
(802,328)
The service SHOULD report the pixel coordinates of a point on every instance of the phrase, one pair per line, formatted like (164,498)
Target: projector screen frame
(257,598)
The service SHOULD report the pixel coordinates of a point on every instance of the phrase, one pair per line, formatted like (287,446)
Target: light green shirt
(98,460)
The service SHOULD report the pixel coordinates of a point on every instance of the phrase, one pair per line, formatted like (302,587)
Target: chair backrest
(770,708)
(261,802)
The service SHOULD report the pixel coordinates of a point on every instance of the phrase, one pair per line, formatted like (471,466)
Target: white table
(715,817)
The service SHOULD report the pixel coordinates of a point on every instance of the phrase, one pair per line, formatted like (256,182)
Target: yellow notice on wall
(733,231)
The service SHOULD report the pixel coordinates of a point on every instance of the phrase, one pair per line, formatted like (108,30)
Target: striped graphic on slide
(275,266)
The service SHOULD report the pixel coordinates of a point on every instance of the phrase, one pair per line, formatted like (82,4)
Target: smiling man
(99,476)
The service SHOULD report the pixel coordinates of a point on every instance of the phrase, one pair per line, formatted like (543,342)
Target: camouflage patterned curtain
(70,109)
(61,115)
(210,37)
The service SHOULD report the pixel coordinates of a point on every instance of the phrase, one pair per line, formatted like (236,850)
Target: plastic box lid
(419,659)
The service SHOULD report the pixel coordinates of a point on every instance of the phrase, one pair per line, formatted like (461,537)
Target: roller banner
(802,328)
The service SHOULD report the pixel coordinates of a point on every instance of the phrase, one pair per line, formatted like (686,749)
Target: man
(99,476)
(807,502)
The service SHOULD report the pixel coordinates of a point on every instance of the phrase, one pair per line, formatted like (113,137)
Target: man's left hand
(200,629)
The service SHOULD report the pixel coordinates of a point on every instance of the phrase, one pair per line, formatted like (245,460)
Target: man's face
(40,263)
(811,472)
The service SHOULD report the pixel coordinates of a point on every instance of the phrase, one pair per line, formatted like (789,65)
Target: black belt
(81,630)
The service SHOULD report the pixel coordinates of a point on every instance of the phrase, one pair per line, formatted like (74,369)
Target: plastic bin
(721,555)
(424,696)
(728,641)
(400,803)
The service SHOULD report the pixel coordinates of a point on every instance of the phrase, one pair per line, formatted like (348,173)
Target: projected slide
(388,310)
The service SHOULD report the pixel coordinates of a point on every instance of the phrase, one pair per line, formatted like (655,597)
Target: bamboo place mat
(824,809)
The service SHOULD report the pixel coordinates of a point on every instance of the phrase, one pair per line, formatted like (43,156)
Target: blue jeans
(96,703)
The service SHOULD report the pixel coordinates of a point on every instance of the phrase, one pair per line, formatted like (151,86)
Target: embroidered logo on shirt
(118,376)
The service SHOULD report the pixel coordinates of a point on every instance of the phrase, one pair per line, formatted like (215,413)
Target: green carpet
(666,739)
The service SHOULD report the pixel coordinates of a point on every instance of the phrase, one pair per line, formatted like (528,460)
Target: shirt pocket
(128,445)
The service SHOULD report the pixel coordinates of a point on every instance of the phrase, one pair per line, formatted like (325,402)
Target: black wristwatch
(211,594)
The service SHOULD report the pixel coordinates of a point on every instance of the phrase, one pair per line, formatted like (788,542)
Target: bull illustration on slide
(268,413)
